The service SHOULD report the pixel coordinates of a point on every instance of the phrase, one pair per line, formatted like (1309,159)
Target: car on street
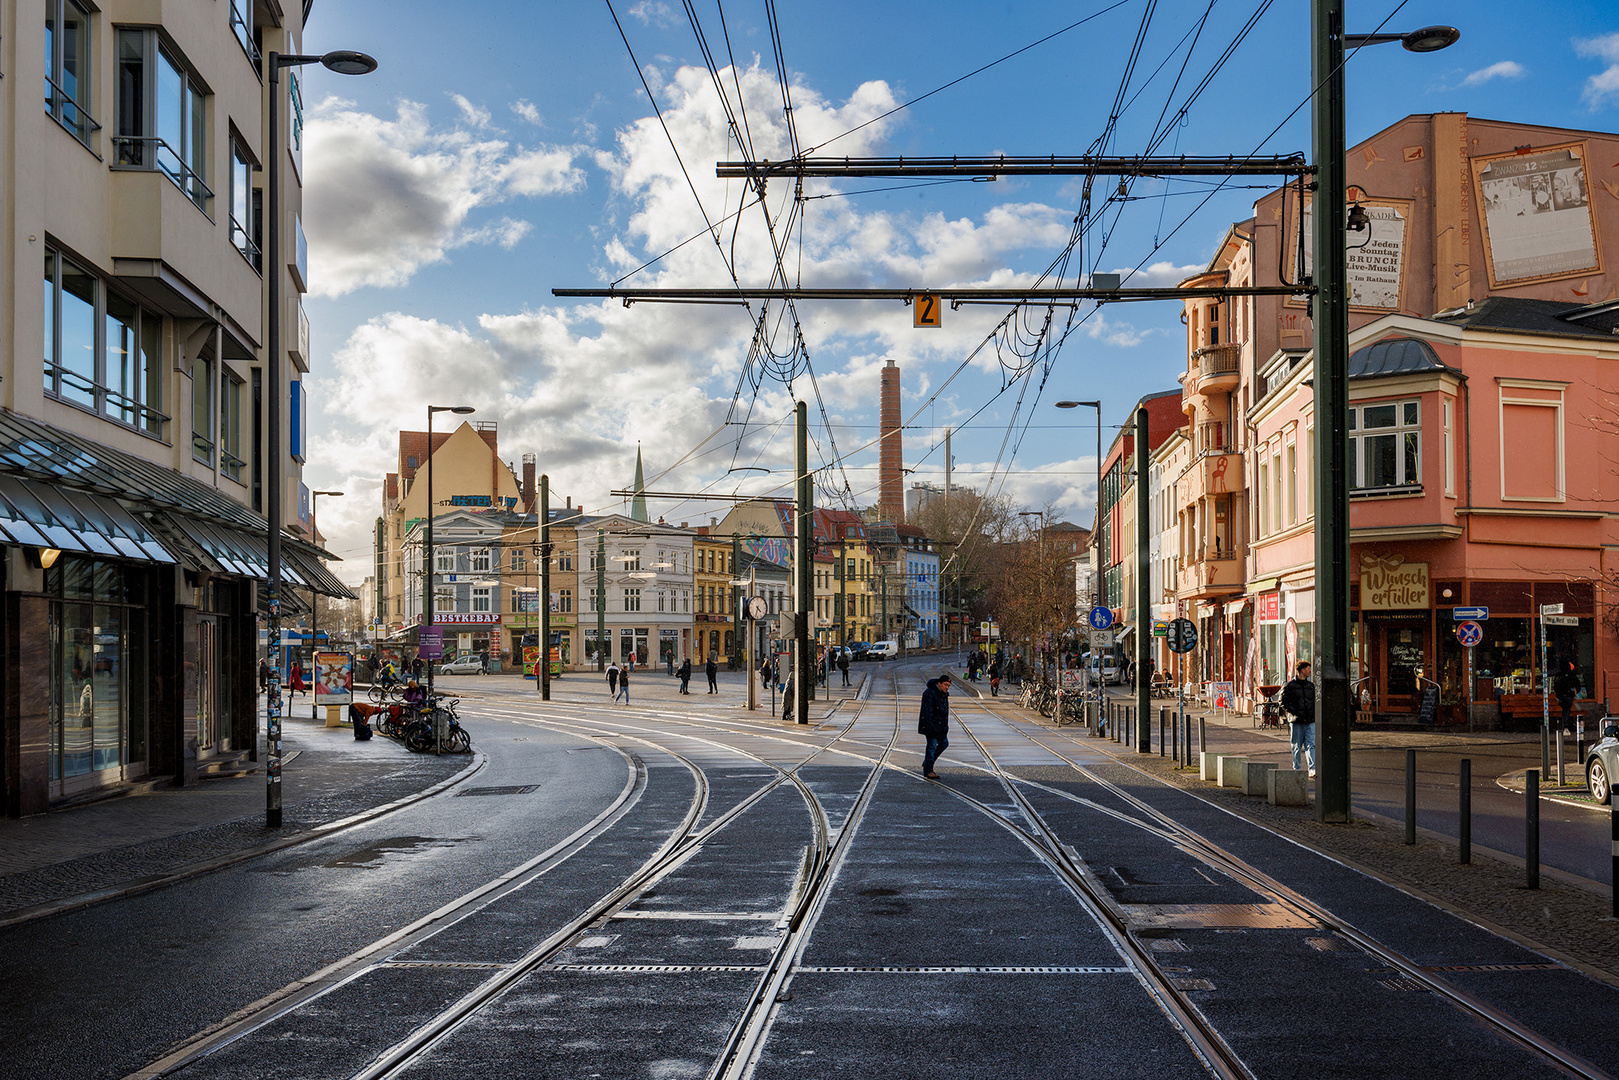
(1111,672)
(466,665)
(1602,761)
(883,650)
(857,650)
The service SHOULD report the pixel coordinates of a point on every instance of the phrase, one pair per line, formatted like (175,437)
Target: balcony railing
(1211,438)
(153,153)
(1217,360)
(68,112)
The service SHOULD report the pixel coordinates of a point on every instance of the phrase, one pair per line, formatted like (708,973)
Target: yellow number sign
(926,310)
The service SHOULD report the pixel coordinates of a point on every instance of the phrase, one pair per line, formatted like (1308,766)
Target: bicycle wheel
(459,742)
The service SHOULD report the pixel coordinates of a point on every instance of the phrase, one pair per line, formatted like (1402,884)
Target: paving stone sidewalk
(120,842)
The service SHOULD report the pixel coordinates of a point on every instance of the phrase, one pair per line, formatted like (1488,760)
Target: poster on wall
(1375,259)
(1538,219)
(334,678)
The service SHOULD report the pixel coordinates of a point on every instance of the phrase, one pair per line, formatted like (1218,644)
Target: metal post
(1561,774)
(427,566)
(1330,318)
(1465,816)
(1531,829)
(1410,796)
(1202,736)
(543,676)
(1613,829)
(804,565)
(1163,729)
(602,643)
(272,471)
(1545,703)
(1143,736)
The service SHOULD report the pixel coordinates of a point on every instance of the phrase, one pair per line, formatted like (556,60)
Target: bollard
(1465,794)
(1545,749)
(1202,735)
(1562,776)
(1163,728)
(1531,828)
(1410,796)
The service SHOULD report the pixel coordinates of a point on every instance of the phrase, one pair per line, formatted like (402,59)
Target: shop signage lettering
(465,617)
(482,500)
(1389,583)
(1270,607)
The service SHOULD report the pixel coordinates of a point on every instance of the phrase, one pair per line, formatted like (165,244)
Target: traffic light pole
(1143,590)
(804,570)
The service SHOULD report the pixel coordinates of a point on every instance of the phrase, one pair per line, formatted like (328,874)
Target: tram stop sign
(1182,636)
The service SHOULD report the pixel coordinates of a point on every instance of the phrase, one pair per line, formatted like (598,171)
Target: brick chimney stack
(530,498)
(891,460)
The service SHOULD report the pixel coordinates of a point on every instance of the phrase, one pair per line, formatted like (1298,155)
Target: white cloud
(1502,69)
(386,197)
(653,13)
(476,115)
(527,112)
(1601,87)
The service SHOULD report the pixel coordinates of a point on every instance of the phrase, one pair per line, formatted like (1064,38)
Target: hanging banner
(334,678)
(1538,220)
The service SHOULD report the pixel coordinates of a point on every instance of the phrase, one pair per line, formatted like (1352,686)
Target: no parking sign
(1469,633)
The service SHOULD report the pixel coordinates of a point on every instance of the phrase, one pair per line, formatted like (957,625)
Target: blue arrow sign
(1469,614)
(1101,618)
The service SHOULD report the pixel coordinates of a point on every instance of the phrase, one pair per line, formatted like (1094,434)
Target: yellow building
(715,607)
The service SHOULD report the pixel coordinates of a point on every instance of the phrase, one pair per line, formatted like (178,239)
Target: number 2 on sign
(926,310)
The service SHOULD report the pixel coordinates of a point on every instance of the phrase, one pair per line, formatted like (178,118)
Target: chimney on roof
(890,457)
(528,484)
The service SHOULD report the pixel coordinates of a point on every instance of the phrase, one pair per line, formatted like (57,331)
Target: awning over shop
(1235,606)
(1262,585)
(42,515)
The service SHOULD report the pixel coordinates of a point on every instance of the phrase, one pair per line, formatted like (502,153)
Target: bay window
(162,115)
(101,350)
(1385,446)
(67,67)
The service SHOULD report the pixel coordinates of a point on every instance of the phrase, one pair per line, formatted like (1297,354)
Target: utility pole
(543,679)
(1143,589)
(1330,318)
(602,643)
(804,566)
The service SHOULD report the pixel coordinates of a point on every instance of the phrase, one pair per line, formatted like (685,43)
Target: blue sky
(490,159)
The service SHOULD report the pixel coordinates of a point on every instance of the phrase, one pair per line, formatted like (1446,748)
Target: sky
(492,158)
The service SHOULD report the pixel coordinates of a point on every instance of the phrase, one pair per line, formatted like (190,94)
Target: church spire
(638,504)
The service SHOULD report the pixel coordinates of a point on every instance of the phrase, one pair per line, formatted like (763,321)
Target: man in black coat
(712,670)
(1298,701)
(934,722)
(1565,687)
(684,671)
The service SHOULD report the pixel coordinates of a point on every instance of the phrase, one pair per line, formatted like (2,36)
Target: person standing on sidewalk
(1298,701)
(843,664)
(612,679)
(1565,687)
(684,672)
(712,670)
(934,722)
(995,677)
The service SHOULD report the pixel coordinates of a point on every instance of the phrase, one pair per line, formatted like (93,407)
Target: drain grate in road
(510,789)
(1191,984)
(1400,982)
(656,969)
(1497,967)
(969,970)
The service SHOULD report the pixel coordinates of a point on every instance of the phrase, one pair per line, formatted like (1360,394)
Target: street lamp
(428,595)
(1330,319)
(1097,405)
(344,63)
(314,597)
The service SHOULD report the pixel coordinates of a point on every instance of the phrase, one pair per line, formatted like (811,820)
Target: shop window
(101,351)
(1385,446)
(98,671)
(162,115)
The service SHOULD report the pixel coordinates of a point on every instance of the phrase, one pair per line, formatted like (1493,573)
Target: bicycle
(419,733)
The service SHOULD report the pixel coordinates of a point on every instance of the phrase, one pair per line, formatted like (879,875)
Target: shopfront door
(208,733)
(1402,652)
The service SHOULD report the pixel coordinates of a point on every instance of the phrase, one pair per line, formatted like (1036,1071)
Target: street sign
(1470,614)
(1551,609)
(926,311)
(1561,620)
(1101,639)
(1469,633)
(1101,618)
(1160,628)
(430,643)
(1182,636)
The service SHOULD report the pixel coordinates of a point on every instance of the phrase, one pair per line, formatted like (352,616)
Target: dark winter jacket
(1298,698)
(1565,685)
(935,717)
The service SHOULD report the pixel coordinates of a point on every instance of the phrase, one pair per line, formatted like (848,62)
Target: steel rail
(1565,1060)
(1004,165)
(1201,1034)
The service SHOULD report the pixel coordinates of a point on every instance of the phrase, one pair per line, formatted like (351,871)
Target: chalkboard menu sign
(1429,711)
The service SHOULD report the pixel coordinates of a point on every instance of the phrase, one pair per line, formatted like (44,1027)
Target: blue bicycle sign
(1101,618)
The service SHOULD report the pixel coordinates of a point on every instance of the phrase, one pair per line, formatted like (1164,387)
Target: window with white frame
(565,599)
(594,558)
(660,599)
(594,601)
(1449,408)
(480,560)
(1292,484)
(1309,472)
(162,114)
(481,598)
(632,559)
(1385,446)
(632,599)
(444,600)
(518,565)
(68,67)
(102,351)
(1262,496)
(444,562)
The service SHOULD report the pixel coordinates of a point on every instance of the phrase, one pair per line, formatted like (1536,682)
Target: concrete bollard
(1253,777)
(1531,828)
(1229,770)
(1287,787)
(1208,766)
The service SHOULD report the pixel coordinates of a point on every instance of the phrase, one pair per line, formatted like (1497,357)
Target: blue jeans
(624,689)
(1304,744)
(937,744)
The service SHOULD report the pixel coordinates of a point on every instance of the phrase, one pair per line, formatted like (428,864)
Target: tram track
(1161,825)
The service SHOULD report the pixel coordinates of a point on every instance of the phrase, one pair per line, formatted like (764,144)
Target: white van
(883,650)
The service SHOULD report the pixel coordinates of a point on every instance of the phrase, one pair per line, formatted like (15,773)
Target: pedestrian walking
(483,660)
(685,676)
(712,670)
(934,722)
(843,665)
(295,680)
(1298,701)
(624,684)
(264,675)
(612,680)
(787,697)
(995,678)
(1565,687)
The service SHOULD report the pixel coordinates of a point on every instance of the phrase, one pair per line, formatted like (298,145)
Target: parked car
(466,665)
(857,649)
(883,650)
(1602,762)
